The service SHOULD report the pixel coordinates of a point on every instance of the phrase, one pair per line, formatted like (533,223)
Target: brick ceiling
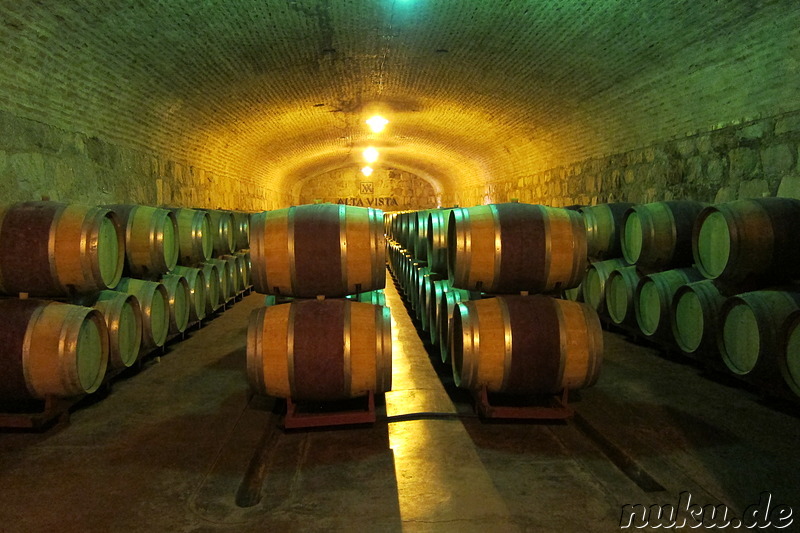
(276,91)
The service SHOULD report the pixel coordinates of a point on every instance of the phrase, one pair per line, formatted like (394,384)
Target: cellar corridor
(168,450)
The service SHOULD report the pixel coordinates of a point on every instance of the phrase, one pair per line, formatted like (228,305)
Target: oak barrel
(619,294)
(241,230)
(151,240)
(195,238)
(695,312)
(238,272)
(789,356)
(426,289)
(154,302)
(435,293)
(323,249)
(449,301)
(750,336)
(123,318)
(197,288)
(594,283)
(525,345)
(372,297)
(653,298)
(320,350)
(659,234)
(50,349)
(420,238)
(245,258)
(513,247)
(179,300)
(227,282)
(214,295)
(55,249)
(222,231)
(749,240)
(603,224)
(437,240)
(574,294)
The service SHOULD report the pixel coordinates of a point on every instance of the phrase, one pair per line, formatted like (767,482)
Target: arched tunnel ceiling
(272,92)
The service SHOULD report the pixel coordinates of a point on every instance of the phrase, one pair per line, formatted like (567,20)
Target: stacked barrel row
(417,250)
(324,334)
(501,329)
(113,271)
(717,282)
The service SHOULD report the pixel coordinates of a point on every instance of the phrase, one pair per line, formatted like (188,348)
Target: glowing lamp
(377,123)
(370,155)
(367,171)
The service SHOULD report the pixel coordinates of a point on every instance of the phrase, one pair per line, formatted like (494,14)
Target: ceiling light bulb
(367,171)
(370,155)
(377,123)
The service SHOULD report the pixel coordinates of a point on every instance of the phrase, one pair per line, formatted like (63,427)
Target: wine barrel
(653,297)
(659,235)
(603,225)
(420,238)
(238,272)
(411,233)
(214,294)
(123,318)
(525,345)
(241,230)
(407,279)
(154,302)
(195,239)
(51,349)
(323,249)
(417,275)
(388,227)
(372,297)
(695,311)
(197,288)
(750,336)
(335,349)
(226,281)
(435,294)
(221,231)
(749,240)
(54,249)
(401,229)
(179,300)
(574,294)
(437,240)
(594,284)
(620,290)
(151,239)
(425,289)
(246,268)
(513,247)
(450,300)
(789,356)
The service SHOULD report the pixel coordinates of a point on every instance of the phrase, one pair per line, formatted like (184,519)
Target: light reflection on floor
(440,477)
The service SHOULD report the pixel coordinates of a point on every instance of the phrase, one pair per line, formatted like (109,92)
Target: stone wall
(386,189)
(39,160)
(747,160)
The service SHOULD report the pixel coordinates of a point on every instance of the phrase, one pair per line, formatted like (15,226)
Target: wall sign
(381,201)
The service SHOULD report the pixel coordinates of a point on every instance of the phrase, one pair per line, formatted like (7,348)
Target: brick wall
(39,160)
(749,160)
(386,189)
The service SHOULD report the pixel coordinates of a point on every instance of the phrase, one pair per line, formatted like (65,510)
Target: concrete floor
(168,450)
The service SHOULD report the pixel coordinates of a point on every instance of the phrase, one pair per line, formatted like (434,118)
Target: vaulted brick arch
(229,104)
